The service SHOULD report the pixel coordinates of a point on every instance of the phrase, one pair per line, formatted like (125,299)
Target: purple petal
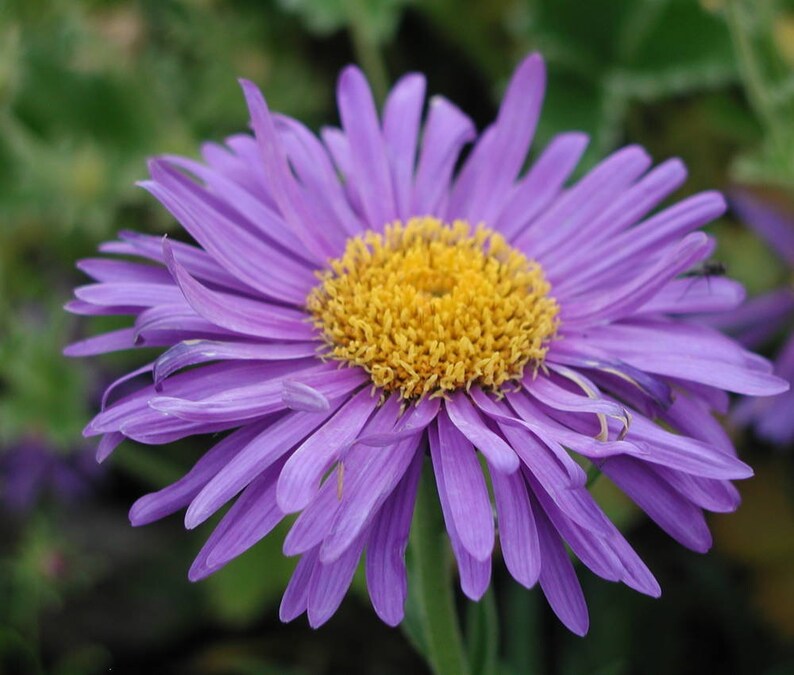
(401,117)
(558,578)
(254,512)
(312,163)
(367,149)
(542,184)
(248,402)
(283,185)
(594,551)
(459,477)
(256,454)
(517,532)
(243,254)
(300,396)
(446,132)
(109,271)
(618,302)
(698,295)
(667,508)
(293,604)
(193,352)
(239,314)
(610,259)
(468,421)
(170,499)
(107,444)
(329,583)
(497,166)
(776,227)
(129,294)
(249,209)
(113,341)
(301,476)
(387,579)
(365,492)
(583,201)
(475,575)
(197,262)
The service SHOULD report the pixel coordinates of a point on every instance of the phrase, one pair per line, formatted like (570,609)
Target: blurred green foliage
(90,88)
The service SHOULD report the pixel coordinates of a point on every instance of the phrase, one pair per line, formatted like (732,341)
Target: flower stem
(431,579)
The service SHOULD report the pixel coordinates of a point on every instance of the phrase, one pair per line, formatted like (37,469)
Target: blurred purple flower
(554,331)
(32,470)
(765,317)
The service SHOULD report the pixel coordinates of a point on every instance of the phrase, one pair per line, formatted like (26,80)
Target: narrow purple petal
(282,183)
(583,201)
(387,579)
(129,294)
(239,314)
(625,299)
(329,583)
(249,209)
(365,492)
(475,575)
(108,270)
(497,167)
(293,604)
(698,295)
(771,223)
(459,476)
(517,531)
(468,421)
(243,254)
(300,396)
(255,453)
(446,132)
(254,512)
(542,184)
(558,578)
(107,444)
(675,514)
(193,352)
(367,148)
(170,499)
(301,476)
(401,118)
(113,341)
(248,402)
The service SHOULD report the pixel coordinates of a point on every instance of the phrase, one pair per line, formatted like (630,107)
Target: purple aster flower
(765,317)
(31,469)
(365,305)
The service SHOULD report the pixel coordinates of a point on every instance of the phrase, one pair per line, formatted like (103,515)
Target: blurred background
(90,88)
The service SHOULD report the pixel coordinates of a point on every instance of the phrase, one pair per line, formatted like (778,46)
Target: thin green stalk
(593,474)
(433,585)
(367,50)
(751,72)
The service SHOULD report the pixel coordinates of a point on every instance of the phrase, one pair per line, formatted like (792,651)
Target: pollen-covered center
(428,308)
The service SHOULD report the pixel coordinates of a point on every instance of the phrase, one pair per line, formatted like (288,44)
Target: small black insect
(710,268)
(706,270)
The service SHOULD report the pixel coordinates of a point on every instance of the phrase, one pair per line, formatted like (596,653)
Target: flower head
(766,316)
(31,470)
(364,305)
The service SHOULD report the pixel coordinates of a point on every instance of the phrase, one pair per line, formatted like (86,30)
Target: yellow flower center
(428,308)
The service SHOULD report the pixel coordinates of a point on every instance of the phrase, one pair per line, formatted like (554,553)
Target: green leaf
(243,590)
(680,48)
(378,18)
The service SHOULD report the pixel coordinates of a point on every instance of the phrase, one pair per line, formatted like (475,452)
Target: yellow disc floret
(428,308)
